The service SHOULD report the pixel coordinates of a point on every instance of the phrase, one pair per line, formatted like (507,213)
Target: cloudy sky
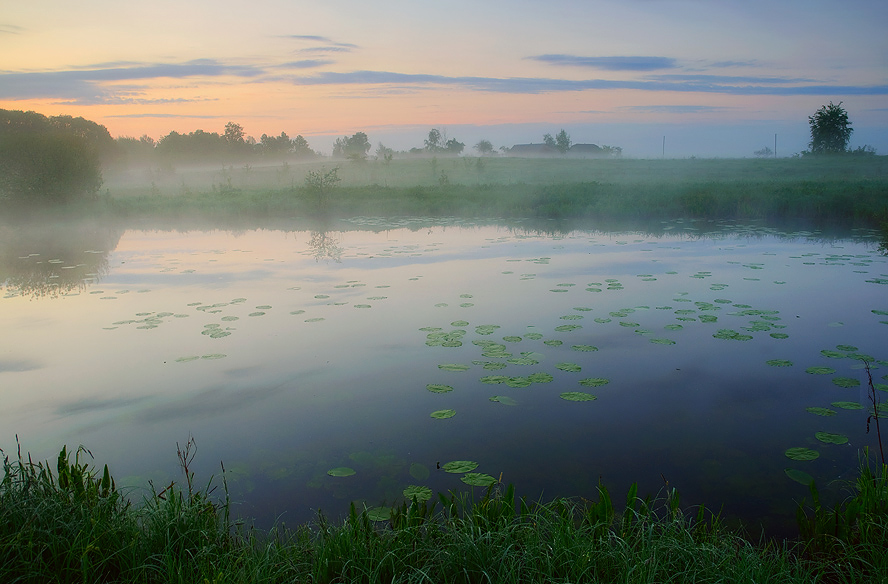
(715,78)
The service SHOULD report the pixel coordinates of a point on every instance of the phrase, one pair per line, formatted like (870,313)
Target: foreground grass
(73,525)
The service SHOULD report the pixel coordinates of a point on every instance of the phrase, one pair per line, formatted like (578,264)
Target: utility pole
(775,145)
(664,146)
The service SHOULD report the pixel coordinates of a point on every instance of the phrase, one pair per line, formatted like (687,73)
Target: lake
(698,356)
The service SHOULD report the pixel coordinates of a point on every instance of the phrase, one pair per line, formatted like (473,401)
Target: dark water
(286,354)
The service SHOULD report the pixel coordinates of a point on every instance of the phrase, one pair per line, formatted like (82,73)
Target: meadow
(822,191)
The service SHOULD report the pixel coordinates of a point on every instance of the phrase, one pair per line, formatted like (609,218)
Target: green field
(823,191)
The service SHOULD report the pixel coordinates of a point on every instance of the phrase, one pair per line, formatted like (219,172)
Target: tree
(453,146)
(562,141)
(830,130)
(357,147)
(484,147)
(300,147)
(433,143)
(764,153)
(384,153)
(234,133)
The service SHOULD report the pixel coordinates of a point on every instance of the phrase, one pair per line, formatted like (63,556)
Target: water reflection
(324,246)
(54,260)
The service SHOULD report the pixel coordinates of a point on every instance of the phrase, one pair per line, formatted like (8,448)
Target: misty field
(824,191)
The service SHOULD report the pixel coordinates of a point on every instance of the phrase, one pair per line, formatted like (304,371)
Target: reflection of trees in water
(324,247)
(52,260)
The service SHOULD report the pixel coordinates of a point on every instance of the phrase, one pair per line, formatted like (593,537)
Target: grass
(74,525)
(819,192)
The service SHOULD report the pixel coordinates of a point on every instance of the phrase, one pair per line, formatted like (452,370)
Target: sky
(706,78)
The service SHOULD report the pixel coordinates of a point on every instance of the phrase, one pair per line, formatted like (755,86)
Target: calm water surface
(286,354)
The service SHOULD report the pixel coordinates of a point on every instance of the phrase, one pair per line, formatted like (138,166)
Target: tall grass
(74,525)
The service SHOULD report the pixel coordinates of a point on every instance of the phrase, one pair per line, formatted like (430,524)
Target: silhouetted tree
(453,146)
(764,153)
(484,147)
(434,141)
(50,160)
(560,142)
(354,147)
(830,130)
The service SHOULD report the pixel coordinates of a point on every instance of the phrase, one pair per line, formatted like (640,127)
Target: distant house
(586,150)
(531,150)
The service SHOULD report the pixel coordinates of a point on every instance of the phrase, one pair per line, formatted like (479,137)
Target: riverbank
(74,525)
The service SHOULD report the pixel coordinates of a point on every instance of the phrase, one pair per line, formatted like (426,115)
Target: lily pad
(847,405)
(801,454)
(518,382)
(187,359)
(820,370)
(820,411)
(453,367)
(512,339)
(379,513)
(540,377)
(443,414)
(663,341)
(213,356)
(779,363)
(831,438)
(504,399)
(459,323)
(566,328)
(799,476)
(494,379)
(477,479)
(417,493)
(732,335)
(577,396)
(832,354)
(419,471)
(846,348)
(485,329)
(439,388)
(584,348)
(553,343)
(341,471)
(594,381)
(569,367)
(459,466)
(846,381)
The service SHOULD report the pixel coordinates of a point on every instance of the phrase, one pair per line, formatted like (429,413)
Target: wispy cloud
(11,29)
(725,79)
(144,115)
(674,109)
(304,64)
(609,63)
(319,39)
(537,85)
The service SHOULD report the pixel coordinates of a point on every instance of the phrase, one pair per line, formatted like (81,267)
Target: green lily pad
(187,359)
(779,335)
(453,367)
(494,379)
(572,317)
(846,381)
(820,411)
(485,329)
(799,476)
(417,493)
(439,388)
(566,328)
(846,348)
(419,471)
(379,513)
(801,454)
(832,354)
(584,348)
(553,343)
(569,367)
(540,377)
(577,396)
(443,414)
(831,438)
(341,471)
(504,399)
(820,370)
(459,323)
(732,335)
(363,306)
(459,466)
(594,381)
(779,363)
(533,336)
(213,356)
(512,339)
(523,361)
(708,318)
(518,382)
(263,307)
(257,313)
(315,319)
(847,405)
(477,479)
(230,318)
(663,341)
(601,320)
(673,327)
